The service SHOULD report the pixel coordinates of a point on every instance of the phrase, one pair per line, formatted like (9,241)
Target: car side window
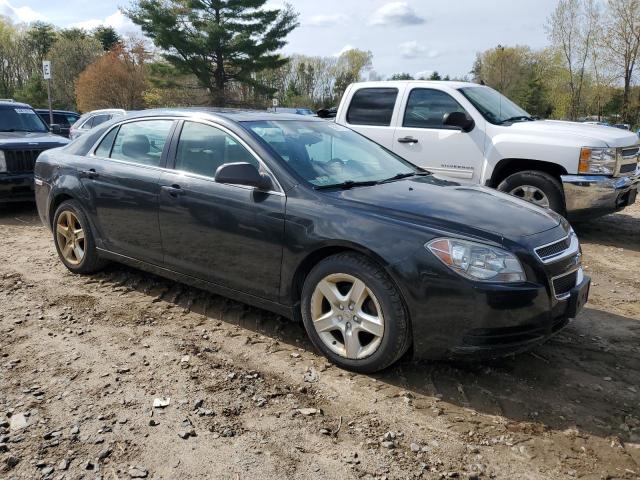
(426,108)
(202,149)
(104,149)
(98,119)
(372,106)
(141,142)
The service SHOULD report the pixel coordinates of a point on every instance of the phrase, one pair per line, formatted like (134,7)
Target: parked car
(63,118)
(296,111)
(472,134)
(92,119)
(311,220)
(23,136)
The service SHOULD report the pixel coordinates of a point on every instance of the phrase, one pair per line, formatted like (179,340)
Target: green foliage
(74,34)
(41,37)
(33,92)
(107,36)
(219,41)
(435,76)
(401,76)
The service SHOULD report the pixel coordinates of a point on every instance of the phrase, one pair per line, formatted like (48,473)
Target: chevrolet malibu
(377,258)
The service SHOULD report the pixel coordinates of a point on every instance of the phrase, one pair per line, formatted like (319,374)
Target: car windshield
(494,107)
(21,119)
(325,154)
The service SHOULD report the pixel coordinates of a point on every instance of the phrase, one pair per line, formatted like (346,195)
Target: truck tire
(536,187)
(354,314)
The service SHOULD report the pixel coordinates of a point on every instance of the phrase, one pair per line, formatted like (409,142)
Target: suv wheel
(536,187)
(74,239)
(354,314)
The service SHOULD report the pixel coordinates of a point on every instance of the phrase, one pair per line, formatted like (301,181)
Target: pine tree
(218,41)
(107,36)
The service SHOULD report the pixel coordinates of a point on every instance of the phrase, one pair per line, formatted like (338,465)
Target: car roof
(46,110)
(14,104)
(236,115)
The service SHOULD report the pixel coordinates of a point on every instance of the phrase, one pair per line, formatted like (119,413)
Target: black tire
(548,184)
(396,338)
(91,261)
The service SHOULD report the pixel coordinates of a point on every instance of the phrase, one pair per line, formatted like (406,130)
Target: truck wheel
(536,187)
(354,314)
(74,239)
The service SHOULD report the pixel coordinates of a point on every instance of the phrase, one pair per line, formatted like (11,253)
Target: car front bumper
(590,196)
(16,187)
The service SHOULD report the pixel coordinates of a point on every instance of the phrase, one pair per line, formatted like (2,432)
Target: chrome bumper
(590,196)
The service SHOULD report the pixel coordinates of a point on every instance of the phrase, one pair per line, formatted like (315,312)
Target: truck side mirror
(461,120)
(54,128)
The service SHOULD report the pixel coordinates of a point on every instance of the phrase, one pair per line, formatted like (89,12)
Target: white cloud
(20,14)
(327,20)
(118,20)
(346,48)
(396,13)
(423,74)
(413,49)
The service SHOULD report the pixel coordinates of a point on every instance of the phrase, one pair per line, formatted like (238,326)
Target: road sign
(46,69)
(275,102)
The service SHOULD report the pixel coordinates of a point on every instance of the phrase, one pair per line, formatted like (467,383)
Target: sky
(412,36)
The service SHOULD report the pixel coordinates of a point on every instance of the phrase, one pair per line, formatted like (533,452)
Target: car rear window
(372,106)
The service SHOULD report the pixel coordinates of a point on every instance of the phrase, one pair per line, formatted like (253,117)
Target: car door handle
(407,140)
(173,190)
(91,173)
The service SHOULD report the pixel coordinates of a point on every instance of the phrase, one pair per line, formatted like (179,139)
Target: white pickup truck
(471,133)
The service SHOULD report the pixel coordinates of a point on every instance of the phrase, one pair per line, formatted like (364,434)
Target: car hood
(451,207)
(31,139)
(586,135)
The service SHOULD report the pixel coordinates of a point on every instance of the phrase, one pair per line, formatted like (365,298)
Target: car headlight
(3,162)
(477,261)
(598,161)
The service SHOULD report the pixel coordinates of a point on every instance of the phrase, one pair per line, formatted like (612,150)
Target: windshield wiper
(347,184)
(517,118)
(400,176)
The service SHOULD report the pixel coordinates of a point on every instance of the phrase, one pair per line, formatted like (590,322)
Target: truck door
(423,139)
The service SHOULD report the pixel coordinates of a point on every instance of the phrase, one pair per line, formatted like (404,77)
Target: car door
(422,138)
(230,235)
(123,186)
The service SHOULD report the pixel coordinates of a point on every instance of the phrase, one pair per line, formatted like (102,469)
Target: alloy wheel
(70,237)
(531,194)
(347,316)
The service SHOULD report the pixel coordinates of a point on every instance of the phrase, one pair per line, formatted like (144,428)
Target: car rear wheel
(354,314)
(74,240)
(536,187)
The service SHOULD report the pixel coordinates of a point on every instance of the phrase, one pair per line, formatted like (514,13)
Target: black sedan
(311,220)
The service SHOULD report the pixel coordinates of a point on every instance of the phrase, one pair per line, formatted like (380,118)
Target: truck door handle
(91,173)
(173,190)
(407,140)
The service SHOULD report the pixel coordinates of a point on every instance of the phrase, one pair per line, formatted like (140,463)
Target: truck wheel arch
(509,166)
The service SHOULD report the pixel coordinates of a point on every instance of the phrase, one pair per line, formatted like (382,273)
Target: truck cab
(470,133)
(23,136)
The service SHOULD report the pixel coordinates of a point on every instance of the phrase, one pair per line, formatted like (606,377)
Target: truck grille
(628,168)
(628,160)
(21,160)
(549,251)
(562,285)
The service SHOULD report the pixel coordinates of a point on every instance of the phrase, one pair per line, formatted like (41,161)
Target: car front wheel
(354,314)
(536,187)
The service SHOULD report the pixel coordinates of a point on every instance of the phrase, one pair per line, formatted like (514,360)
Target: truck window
(427,107)
(372,106)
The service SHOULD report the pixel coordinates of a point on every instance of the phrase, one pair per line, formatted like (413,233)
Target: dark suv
(23,136)
(63,118)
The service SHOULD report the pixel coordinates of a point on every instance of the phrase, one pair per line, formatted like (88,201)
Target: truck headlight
(598,161)
(477,261)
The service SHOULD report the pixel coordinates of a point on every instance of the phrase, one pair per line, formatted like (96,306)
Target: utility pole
(46,74)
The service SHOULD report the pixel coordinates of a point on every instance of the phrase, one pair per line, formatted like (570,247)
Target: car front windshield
(326,154)
(494,107)
(21,119)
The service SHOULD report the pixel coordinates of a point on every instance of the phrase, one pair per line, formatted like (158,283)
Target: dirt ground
(82,360)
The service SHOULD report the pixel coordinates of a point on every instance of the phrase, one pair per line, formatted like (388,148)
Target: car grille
(21,160)
(549,251)
(628,160)
(562,285)
(628,168)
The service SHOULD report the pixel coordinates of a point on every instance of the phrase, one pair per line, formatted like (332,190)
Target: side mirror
(461,120)
(55,128)
(242,173)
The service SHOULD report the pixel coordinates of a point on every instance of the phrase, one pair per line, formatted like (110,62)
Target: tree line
(226,53)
